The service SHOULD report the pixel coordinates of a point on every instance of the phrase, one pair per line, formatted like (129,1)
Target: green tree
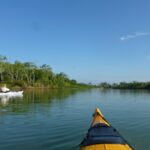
(3,60)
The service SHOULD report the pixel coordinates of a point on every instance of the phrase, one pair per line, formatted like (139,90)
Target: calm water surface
(59,119)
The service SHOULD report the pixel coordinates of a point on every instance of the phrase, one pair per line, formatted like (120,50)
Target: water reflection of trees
(40,96)
(124,91)
(47,96)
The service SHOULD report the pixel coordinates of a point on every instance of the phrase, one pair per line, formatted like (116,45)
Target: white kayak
(11,93)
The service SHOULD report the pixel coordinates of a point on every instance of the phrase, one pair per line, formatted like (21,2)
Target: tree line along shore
(125,85)
(29,75)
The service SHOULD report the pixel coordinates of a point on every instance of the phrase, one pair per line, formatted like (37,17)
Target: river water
(59,119)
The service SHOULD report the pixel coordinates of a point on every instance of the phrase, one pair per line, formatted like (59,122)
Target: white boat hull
(12,93)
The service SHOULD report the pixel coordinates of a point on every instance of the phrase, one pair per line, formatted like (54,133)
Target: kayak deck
(102,136)
(107,147)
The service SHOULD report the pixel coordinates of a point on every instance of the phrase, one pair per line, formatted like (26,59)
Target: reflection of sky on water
(51,116)
(5,99)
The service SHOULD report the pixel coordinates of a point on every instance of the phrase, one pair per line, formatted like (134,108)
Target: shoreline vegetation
(22,75)
(126,85)
(27,75)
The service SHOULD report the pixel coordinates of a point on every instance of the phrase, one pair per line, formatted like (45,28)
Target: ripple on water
(62,123)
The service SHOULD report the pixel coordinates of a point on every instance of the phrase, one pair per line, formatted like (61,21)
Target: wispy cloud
(132,36)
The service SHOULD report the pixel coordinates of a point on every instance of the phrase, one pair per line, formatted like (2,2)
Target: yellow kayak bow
(102,136)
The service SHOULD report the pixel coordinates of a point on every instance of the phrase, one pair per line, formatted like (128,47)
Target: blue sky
(89,40)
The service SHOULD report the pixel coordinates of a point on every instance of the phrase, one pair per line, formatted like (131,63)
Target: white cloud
(132,36)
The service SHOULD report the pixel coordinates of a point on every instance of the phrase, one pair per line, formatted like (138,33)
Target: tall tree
(3,59)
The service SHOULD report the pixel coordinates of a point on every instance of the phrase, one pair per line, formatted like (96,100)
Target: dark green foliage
(126,85)
(104,85)
(29,74)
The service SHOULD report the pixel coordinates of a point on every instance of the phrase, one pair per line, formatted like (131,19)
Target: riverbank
(17,88)
(126,85)
(28,75)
